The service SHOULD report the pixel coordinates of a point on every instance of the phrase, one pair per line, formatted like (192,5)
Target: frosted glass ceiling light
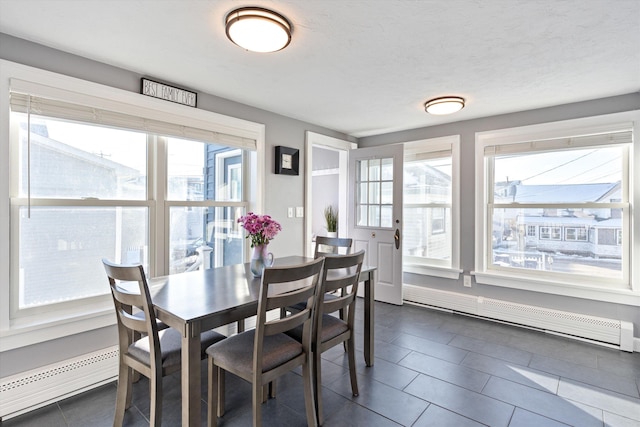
(445,105)
(258,30)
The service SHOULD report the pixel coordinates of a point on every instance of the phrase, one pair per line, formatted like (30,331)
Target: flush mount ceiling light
(444,105)
(258,30)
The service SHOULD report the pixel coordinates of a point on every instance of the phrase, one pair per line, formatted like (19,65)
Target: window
(438,221)
(576,234)
(550,233)
(566,185)
(430,206)
(81,196)
(375,193)
(96,172)
(203,179)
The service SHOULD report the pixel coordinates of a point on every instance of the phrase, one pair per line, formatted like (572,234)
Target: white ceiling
(362,67)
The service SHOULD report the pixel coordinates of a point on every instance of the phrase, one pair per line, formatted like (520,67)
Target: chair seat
(236,351)
(170,346)
(331,328)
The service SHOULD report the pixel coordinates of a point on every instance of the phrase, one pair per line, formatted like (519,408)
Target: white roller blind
(603,139)
(62,104)
(413,157)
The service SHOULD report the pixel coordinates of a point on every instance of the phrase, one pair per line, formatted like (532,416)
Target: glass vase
(260,258)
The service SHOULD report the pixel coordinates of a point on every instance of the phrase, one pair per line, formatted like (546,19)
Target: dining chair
(341,273)
(157,353)
(332,245)
(265,353)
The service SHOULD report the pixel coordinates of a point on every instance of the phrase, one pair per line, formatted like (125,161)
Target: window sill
(617,296)
(29,334)
(425,270)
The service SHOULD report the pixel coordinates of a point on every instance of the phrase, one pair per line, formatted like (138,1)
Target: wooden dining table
(201,300)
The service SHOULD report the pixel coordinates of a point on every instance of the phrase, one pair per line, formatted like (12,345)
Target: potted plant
(331,219)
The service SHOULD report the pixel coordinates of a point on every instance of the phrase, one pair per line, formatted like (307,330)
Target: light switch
(299,212)
(290,212)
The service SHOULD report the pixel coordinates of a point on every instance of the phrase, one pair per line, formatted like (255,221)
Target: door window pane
(386,193)
(374,216)
(386,216)
(375,193)
(363,193)
(387,170)
(374,170)
(362,215)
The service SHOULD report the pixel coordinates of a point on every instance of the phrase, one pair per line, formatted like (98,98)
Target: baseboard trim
(30,390)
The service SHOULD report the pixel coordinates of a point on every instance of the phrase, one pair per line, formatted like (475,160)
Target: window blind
(26,97)
(604,139)
(414,157)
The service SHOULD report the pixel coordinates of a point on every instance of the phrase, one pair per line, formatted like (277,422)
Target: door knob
(397,238)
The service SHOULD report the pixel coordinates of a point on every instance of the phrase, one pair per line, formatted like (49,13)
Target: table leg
(190,376)
(369,305)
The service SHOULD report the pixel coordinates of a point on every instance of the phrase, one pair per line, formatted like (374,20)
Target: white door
(375,203)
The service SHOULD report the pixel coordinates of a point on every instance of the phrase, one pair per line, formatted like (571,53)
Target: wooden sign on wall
(168,93)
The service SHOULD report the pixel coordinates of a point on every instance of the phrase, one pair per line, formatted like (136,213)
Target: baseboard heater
(34,389)
(37,388)
(599,330)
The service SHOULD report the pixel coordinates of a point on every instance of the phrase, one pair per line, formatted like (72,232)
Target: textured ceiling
(362,67)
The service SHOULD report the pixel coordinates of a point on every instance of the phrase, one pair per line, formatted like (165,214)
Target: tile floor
(431,369)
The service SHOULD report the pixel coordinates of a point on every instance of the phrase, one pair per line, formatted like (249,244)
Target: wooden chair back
(332,245)
(341,273)
(130,325)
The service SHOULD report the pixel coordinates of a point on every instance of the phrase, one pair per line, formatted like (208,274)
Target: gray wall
(280,130)
(467,130)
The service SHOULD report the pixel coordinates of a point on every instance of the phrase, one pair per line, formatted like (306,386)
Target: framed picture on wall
(287,160)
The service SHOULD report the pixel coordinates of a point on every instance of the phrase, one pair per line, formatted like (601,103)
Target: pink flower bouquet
(261,228)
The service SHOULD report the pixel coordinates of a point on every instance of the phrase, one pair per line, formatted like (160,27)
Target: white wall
(325,187)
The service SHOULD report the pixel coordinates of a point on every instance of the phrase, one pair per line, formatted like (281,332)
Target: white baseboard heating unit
(30,390)
(599,330)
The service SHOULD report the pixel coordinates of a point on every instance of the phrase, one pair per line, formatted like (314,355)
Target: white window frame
(550,284)
(550,231)
(432,267)
(531,231)
(578,236)
(81,316)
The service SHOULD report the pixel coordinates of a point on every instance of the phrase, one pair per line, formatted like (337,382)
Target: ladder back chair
(265,353)
(156,354)
(341,273)
(332,245)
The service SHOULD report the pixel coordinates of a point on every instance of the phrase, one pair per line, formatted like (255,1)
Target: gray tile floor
(431,369)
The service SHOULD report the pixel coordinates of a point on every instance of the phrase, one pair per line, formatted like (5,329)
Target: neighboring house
(589,232)
(82,234)
(427,228)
